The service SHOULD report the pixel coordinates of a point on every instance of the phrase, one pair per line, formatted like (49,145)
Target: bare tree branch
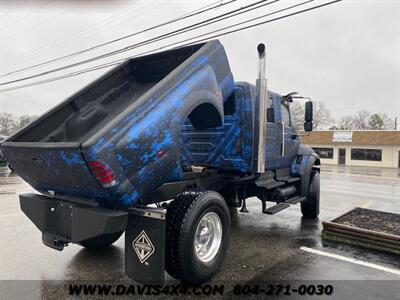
(345,123)
(361,120)
(7,123)
(322,116)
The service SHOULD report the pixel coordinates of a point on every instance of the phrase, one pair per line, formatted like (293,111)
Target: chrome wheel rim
(208,237)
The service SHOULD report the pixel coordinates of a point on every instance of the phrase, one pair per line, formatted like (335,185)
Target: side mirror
(308,116)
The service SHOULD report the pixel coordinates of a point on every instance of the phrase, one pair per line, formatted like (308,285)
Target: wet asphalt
(262,247)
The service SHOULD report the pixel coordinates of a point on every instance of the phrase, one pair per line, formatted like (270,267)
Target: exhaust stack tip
(261,50)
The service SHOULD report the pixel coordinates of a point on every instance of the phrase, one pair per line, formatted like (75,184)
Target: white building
(372,148)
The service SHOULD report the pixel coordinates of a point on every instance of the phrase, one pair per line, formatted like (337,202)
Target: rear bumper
(64,222)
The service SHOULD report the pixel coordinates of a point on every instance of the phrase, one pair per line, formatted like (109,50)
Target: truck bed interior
(90,109)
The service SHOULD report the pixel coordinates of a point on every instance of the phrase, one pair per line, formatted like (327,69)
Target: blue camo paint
(131,147)
(228,146)
(71,158)
(159,122)
(201,60)
(52,165)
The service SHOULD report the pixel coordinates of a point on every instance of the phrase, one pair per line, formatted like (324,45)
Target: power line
(203,23)
(73,37)
(22,99)
(245,22)
(14,34)
(20,19)
(137,9)
(12,9)
(198,11)
(201,10)
(106,65)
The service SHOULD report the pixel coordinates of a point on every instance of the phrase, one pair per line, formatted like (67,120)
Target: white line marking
(352,260)
(361,175)
(343,191)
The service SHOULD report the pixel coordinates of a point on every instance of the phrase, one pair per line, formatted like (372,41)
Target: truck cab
(230,146)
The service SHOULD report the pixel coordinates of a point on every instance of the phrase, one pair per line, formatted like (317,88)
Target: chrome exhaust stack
(260,114)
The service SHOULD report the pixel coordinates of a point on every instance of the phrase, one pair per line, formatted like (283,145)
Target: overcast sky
(346,54)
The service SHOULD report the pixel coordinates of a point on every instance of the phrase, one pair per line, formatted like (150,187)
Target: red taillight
(103,174)
(99,168)
(106,179)
(160,153)
(94,163)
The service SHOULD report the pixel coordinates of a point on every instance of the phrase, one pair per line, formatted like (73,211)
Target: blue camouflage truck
(161,147)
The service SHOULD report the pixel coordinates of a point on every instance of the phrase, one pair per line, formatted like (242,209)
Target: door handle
(283,138)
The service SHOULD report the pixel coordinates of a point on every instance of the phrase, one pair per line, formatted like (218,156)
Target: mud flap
(145,245)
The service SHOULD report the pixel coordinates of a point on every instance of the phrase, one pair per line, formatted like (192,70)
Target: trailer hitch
(53,242)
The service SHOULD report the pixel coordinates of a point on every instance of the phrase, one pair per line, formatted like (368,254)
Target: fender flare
(205,110)
(312,164)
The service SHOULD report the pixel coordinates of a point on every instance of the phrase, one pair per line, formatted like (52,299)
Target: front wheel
(310,208)
(198,230)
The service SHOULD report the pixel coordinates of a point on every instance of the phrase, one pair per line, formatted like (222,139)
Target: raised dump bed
(366,228)
(119,137)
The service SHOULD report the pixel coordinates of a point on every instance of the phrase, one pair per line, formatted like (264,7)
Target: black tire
(183,217)
(310,208)
(102,241)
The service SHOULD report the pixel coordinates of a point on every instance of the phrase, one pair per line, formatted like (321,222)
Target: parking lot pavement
(262,247)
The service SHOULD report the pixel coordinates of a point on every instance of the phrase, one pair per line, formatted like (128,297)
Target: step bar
(282,205)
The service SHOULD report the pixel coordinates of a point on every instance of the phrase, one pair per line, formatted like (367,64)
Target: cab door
(282,144)
(288,137)
(272,132)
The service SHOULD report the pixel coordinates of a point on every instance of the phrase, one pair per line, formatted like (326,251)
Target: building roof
(355,137)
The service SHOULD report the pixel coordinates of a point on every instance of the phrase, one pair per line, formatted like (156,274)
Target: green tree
(375,122)
(380,121)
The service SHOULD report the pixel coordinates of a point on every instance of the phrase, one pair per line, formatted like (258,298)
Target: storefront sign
(342,136)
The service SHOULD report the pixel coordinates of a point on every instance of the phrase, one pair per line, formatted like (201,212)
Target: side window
(270,110)
(285,115)
(230,105)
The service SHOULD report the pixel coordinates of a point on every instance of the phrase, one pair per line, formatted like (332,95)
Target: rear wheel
(310,208)
(101,241)
(198,230)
